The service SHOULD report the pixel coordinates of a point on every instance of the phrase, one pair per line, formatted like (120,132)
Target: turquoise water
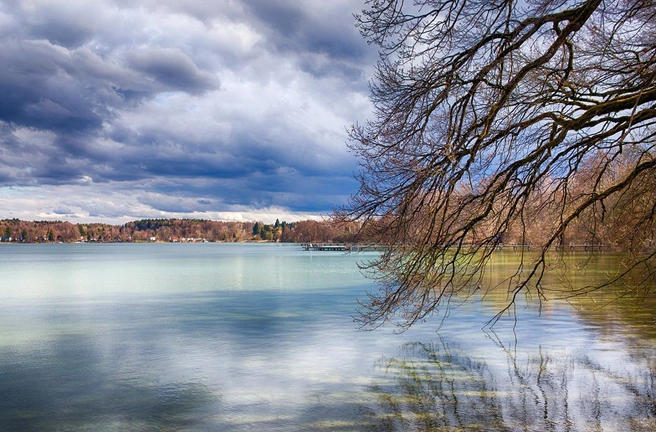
(234,337)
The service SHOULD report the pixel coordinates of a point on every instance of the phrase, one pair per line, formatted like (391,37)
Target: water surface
(196,337)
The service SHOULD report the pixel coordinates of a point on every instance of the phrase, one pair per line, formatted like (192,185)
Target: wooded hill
(174,230)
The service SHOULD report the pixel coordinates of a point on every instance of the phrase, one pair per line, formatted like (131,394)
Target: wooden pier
(342,247)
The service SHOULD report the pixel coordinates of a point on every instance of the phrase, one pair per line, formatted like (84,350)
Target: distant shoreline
(176,231)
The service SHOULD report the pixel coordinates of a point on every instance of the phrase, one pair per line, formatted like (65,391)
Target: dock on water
(342,247)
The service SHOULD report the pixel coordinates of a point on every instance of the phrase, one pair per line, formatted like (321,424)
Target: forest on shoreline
(175,230)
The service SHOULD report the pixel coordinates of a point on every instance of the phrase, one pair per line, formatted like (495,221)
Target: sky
(118,110)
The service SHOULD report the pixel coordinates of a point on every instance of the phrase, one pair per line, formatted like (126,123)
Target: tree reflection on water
(437,386)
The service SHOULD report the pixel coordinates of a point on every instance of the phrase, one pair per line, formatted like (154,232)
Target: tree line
(175,230)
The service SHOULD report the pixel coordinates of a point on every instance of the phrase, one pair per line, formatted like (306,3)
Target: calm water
(237,337)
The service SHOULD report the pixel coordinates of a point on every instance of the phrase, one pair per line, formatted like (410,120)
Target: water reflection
(219,361)
(631,318)
(260,337)
(438,386)
(66,384)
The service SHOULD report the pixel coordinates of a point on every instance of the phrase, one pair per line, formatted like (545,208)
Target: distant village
(174,230)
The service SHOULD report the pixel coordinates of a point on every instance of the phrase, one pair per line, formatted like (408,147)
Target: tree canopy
(531,121)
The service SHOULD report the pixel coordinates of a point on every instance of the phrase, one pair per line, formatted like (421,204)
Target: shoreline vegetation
(176,230)
(311,233)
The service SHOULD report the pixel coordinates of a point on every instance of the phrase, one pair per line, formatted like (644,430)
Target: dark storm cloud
(220,105)
(291,191)
(302,28)
(314,34)
(41,88)
(173,69)
(50,87)
(64,32)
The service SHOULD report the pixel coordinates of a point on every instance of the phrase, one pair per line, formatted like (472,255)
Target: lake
(240,337)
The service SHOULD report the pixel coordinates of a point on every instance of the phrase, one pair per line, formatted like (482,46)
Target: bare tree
(495,117)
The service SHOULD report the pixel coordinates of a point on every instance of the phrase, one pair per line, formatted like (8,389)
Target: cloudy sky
(116,110)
